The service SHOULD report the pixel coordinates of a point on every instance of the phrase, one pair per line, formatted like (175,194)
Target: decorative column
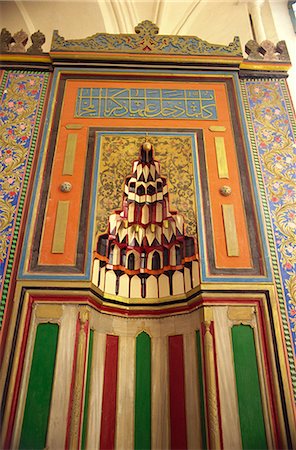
(211,382)
(79,365)
(255,11)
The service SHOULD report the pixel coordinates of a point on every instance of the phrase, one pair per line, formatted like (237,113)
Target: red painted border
(108,421)
(177,393)
(16,390)
(130,311)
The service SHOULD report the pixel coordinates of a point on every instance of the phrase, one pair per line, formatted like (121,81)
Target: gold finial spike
(147,145)
(146,152)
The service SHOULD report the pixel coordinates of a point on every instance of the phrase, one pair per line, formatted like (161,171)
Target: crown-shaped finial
(146,153)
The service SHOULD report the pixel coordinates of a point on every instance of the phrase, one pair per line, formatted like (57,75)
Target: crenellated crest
(145,40)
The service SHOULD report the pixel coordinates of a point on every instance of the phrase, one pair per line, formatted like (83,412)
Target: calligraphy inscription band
(146,103)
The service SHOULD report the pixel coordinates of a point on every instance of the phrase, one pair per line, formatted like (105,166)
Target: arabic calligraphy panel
(196,104)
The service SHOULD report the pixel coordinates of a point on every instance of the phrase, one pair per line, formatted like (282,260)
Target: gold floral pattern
(22,96)
(277,152)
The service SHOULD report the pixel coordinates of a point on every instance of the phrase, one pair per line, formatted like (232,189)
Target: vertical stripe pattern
(177,393)
(143,393)
(107,439)
(37,407)
(248,388)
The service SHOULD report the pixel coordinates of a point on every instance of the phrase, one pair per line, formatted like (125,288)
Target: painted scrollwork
(277,150)
(146,40)
(20,99)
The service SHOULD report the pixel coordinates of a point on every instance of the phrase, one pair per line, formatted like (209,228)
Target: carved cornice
(145,40)
(18,42)
(267,51)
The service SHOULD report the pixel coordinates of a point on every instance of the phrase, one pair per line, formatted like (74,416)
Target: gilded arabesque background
(22,95)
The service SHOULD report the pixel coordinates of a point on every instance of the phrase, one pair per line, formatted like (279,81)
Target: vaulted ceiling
(216,21)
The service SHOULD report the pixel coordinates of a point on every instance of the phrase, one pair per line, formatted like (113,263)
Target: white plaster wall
(284,30)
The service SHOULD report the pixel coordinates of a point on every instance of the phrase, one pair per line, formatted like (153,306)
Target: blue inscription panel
(146,103)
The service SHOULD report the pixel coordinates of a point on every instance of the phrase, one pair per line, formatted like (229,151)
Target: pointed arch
(131,261)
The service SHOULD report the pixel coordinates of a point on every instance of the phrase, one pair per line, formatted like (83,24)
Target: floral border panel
(273,136)
(22,97)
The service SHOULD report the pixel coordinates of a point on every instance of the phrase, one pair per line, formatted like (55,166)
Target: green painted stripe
(143,393)
(248,388)
(35,422)
(201,393)
(87,389)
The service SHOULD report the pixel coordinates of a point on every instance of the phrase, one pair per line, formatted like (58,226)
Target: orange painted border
(68,258)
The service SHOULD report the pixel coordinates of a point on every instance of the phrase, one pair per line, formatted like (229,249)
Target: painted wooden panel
(201,391)
(248,388)
(177,393)
(37,407)
(62,380)
(87,390)
(227,390)
(125,398)
(193,421)
(108,421)
(143,393)
(96,391)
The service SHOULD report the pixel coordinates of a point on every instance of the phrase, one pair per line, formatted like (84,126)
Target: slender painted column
(211,384)
(255,11)
(87,390)
(78,379)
